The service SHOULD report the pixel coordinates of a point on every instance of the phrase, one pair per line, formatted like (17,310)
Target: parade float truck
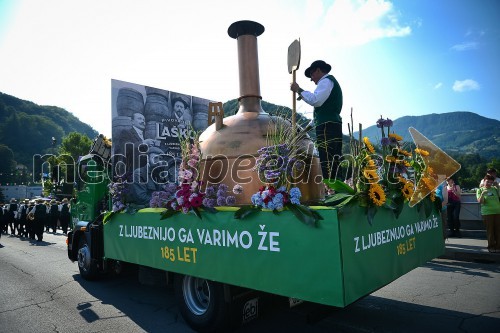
(218,265)
(225,271)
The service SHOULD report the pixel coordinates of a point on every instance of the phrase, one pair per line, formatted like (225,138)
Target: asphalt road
(41,291)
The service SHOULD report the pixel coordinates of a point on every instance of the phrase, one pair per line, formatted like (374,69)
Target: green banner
(328,264)
(375,255)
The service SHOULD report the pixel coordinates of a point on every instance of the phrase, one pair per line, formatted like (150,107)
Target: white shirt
(320,94)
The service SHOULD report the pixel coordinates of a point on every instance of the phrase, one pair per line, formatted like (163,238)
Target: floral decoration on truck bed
(189,196)
(386,179)
(276,165)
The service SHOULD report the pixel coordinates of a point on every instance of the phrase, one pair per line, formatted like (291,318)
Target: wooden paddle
(293,65)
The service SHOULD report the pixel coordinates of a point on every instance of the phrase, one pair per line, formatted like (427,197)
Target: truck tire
(88,269)
(201,303)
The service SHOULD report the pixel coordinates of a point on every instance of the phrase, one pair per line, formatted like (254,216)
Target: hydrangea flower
(237,189)
(271,198)
(221,201)
(230,200)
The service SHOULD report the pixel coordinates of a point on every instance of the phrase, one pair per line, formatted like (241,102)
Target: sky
(391,58)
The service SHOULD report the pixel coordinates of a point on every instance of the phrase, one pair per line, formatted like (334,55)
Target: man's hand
(294,87)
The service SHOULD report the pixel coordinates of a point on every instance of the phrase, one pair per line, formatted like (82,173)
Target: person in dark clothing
(39,215)
(327,101)
(64,216)
(29,222)
(2,219)
(453,210)
(22,213)
(46,223)
(54,215)
(11,216)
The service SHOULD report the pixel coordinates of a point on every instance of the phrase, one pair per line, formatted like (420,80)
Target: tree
(495,164)
(72,147)
(75,145)
(8,164)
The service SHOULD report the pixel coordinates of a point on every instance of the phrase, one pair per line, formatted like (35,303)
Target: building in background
(21,191)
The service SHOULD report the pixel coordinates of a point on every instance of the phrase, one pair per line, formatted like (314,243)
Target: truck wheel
(88,270)
(201,303)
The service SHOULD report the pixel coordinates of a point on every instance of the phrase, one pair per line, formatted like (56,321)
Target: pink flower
(197,201)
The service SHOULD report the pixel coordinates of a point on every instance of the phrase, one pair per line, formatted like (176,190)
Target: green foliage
(7,158)
(47,187)
(473,169)
(168,213)
(75,145)
(244,211)
(339,186)
(27,128)
(305,214)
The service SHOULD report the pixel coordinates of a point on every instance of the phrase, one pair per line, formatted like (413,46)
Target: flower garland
(387,179)
(276,165)
(188,196)
(117,191)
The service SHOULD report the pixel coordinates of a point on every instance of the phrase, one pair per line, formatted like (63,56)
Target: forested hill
(454,132)
(27,128)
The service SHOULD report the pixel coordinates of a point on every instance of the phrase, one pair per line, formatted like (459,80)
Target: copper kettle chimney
(246,33)
(229,153)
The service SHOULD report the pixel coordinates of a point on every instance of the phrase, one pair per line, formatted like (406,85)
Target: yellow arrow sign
(437,165)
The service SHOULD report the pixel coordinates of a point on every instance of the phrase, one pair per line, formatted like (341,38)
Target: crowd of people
(31,218)
(487,195)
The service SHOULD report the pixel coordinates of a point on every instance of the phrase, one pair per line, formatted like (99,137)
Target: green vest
(330,110)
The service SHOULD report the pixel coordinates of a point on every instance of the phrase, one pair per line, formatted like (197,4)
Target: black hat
(325,68)
(180,99)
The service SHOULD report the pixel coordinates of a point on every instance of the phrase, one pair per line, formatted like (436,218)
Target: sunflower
(390,159)
(430,183)
(422,152)
(407,190)
(369,145)
(404,152)
(395,136)
(377,194)
(371,175)
(370,164)
(402,179)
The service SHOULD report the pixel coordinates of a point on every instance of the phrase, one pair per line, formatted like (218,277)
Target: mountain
(458,132)
(27,128)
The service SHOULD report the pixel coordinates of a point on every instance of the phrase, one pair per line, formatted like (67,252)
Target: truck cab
(91,201)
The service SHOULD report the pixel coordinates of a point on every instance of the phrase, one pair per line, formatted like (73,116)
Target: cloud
(352,23)
(439,85)
(465,46)
(465,85)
